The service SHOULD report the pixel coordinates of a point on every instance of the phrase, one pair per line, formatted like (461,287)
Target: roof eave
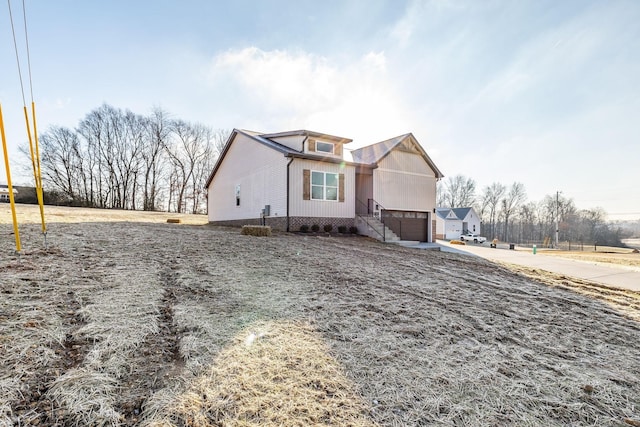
(303,132)
(324,159)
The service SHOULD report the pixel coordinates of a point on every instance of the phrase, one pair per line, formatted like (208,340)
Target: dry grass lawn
(618,256)
(125,319)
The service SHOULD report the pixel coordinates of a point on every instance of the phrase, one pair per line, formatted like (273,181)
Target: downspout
(288,180)
(288,164)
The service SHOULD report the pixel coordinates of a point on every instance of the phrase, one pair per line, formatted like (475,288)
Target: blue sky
(546,93)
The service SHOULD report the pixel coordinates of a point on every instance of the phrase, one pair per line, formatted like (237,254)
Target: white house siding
(364,192)
(404,181)
(293,141)
(439,228)
(261,173)
(470,221)
(316,208)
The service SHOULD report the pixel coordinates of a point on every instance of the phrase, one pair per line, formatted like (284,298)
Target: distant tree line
(118,159)
(506,214)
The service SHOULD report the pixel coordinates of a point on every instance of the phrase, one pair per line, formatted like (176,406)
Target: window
(238,195)
(324,147)
(324,186)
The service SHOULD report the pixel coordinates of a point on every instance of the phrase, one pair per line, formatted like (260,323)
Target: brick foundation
(280,223)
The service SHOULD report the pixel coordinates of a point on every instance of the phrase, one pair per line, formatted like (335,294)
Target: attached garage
(408,225)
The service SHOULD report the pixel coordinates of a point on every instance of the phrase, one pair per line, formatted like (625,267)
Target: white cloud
(285,90)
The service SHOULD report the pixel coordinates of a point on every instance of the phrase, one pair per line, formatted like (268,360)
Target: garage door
(408,225)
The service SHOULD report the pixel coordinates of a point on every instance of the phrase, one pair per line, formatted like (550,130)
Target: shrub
(342,229)
(328,228)
(457,242)
(304,228)
(315,228)
(256,230)
(353,229)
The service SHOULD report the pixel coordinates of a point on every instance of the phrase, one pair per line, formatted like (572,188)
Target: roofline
(258,138)
(325,159)
(303,132)
(286,151)
(289,152)
(423,153)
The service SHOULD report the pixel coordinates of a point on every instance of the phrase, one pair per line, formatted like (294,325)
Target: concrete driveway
(610,275)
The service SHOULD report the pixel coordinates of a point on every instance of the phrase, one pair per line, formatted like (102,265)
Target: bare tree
(528,219)
(457,192)
(514,198)
(119,159)
(191,146)
(153,156)
(98,134)
(490,204)
(59,147)
(220,138)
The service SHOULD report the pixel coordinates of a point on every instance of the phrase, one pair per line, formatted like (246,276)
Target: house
(296,178)
(4,193)
(452,223)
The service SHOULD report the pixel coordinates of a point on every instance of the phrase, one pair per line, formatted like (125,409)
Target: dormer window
(324,147)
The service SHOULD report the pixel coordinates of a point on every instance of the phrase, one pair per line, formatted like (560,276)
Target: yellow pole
(35,170)
(39,174)
(16,232)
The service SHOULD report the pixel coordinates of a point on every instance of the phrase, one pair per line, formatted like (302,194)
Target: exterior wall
(261,173)
(294,141)
(472,219)
(280,223)
(297,221)
(364,192)
(404,181)
(317,208)
(310,148)
(448,228)
(439,227)
(4,194)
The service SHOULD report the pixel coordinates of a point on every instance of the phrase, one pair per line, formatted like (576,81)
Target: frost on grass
(103,329)
(272,374)
(87,396)
(118,320)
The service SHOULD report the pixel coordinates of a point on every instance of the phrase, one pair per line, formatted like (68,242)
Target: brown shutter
(341,187)
(312,145)
(338,150)
(306,184)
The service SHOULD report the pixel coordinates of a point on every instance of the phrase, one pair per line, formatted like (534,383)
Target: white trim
(405,173)
(324,186)
(333,147)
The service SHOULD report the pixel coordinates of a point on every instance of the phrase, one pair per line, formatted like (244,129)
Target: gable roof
(447,213)
(373,154)
(442,213)
(367,157)
(461,212)
(265,139)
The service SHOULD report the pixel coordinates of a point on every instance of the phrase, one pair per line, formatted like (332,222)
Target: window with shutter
(325,186)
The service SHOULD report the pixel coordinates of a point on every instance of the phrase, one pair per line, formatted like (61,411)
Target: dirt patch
(156,311)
